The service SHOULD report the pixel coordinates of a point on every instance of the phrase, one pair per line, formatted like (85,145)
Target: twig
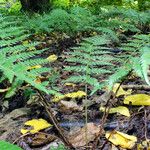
(136,87)
(145,123)
(47,106)
(105,115)
(21,137)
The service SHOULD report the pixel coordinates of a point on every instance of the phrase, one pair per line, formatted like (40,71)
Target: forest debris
(52,58)
(36,124)
(120,109)
(69,106)
(121,139)
(73,95)
(121,91)
(138,99)
(84,135)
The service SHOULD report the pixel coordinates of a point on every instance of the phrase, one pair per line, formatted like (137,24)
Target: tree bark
(35,5)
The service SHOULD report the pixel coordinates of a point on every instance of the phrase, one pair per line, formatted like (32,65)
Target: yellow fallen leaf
(138,99)
(36,124)
(52,58)
(78,94)
(34,67)
(120,109)
(121,91)
(121,139)
(70,84)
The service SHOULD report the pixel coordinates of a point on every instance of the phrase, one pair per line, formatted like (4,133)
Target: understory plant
(19,61)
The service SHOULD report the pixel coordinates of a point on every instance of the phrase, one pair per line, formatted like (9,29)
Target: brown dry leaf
(40,138)
(69,106)
(81,137)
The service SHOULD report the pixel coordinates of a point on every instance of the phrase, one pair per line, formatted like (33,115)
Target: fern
(136,57)
(88,62)
(17,58)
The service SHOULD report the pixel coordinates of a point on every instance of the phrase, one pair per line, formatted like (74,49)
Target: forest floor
(70,113)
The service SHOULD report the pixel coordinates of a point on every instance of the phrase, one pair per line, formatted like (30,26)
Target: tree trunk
(35,5)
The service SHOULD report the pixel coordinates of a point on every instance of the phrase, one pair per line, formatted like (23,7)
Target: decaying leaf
(120,109)
(69,106)
(121,91)
(52,58)
(121,139)
(36,124)
(80,137)
(39,139)
(78,94)
(138,99)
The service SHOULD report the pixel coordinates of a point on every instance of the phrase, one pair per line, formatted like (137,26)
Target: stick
(136,87)
(54,120)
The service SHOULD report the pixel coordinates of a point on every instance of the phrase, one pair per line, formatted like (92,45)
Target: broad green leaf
(8,146)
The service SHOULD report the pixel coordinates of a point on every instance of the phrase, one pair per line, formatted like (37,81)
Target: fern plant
(135,57)
(90,61)
(16,58)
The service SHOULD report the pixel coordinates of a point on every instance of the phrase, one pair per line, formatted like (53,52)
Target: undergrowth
(18,59)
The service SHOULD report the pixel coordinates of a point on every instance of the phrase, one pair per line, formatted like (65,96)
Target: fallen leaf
(73,95)
(84,135)
(121,91)
(69,106)
(78,94)
(120,109)
(138,99)
(70,84)
(34,67)
(40,139)
(36,124)
(121,139)
(52,58)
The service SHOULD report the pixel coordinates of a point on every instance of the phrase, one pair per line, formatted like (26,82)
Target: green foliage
(7,146)
(71,22)
(16,58)
(135,58)
(89,61)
